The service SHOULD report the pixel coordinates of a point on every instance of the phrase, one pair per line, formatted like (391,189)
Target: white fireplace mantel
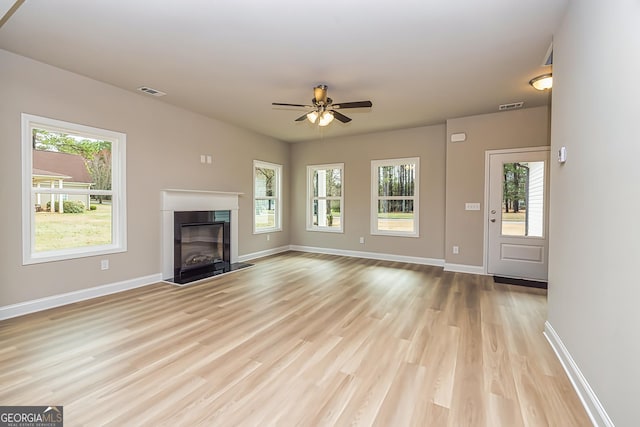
(173,200)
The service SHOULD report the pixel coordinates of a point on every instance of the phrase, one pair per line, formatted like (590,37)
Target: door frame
(487,184)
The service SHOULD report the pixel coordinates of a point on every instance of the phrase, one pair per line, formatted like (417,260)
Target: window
(73,181)
(325,194)
(394,197)
(267,188)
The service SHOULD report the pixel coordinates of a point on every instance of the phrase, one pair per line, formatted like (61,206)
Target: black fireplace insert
(202,244)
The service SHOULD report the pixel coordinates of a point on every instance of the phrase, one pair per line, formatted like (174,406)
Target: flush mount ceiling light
(543,82)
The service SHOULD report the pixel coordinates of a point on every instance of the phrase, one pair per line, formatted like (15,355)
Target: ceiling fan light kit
(312,116)
(323,110)
(324,119)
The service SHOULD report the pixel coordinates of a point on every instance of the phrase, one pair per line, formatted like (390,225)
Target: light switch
(472,206)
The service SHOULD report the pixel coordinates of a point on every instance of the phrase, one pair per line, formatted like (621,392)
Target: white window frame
(277,197)
(310,198)
(117,193)
(375,164)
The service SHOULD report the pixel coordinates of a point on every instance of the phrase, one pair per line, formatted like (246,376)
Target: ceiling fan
(323,110)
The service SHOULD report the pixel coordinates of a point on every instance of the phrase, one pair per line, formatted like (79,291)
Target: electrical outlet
(203,158)
(456,250)
(104,264)
(209,160)
(362,240)
(268,236)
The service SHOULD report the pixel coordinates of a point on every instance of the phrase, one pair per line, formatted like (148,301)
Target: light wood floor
(298,339)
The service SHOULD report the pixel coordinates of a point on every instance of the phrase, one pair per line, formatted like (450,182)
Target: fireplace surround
(215,214)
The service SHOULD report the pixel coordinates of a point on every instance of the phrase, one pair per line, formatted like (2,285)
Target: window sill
(71,255)
(325,230)
(391,234)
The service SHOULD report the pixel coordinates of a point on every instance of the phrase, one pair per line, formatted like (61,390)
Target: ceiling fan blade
(291,105)
(341,117)
(357,104)
(301,118)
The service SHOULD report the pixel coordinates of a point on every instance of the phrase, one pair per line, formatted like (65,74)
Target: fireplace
(202,244)
(199,234)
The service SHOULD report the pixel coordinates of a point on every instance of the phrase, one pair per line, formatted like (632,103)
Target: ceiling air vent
(151,91)
(512,106)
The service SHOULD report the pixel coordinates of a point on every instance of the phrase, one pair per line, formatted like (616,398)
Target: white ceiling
(419,61)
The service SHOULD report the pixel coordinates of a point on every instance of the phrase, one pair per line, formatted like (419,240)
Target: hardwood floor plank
(299,339)
(398,407)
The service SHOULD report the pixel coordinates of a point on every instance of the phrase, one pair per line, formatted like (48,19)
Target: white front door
(518,243)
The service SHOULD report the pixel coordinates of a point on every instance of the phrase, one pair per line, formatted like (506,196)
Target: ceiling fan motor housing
(320,95)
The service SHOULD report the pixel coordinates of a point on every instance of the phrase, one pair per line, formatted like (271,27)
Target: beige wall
(356,153)
(465,172)
(594,232)
(164,144)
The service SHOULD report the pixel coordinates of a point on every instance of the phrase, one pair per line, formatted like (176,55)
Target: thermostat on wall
(562,154)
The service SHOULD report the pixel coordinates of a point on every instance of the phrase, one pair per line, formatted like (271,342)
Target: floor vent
(151,91)
(512,106)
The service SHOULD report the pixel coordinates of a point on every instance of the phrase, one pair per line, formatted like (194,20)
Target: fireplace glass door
(202,245)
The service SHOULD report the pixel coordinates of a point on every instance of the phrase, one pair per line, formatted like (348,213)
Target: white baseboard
(260,254)
(14,310)
(590,401)
(462,268)
(370,255)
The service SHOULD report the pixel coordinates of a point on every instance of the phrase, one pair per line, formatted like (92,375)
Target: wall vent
(151,91)
(512,106)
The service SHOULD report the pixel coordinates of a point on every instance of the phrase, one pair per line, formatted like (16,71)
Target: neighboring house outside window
(51,168)
(394,197)
(325,197)
(73,181)
(267,197)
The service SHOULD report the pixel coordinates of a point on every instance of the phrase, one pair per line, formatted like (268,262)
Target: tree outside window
(74,186)
(394,201)
(325,195)
(267,198)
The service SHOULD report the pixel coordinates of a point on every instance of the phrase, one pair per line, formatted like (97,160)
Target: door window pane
(523,199)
